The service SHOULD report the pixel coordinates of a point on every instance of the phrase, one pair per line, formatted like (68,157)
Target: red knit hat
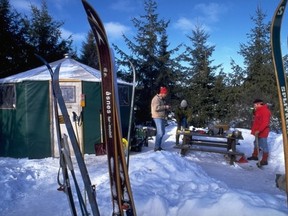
(163,90)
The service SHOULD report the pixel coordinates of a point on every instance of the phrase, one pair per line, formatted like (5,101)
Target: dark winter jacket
(180,114)
(261,121)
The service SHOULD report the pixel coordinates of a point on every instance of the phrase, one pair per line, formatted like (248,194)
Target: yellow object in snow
(125,143)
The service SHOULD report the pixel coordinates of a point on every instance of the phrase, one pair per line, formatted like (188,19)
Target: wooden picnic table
(223,144)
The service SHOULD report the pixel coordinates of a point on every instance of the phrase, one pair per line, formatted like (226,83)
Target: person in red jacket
(260,129)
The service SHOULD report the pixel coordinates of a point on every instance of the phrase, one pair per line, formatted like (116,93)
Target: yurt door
(71,92)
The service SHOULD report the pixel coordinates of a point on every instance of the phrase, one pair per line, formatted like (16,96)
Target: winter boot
(254,155)
(264,160)
(177,139)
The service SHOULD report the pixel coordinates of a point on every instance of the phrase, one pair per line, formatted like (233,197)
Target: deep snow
(163,183)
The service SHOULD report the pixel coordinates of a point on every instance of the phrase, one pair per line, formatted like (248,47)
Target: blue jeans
(182,123)
(262,144)
(160,131)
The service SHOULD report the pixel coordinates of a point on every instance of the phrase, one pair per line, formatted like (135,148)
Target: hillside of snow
(163,183)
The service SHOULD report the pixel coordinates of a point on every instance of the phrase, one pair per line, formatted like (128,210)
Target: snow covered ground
(163,183)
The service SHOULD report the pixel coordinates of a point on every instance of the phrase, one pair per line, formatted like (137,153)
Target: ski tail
(64,159)
(68,160)
(126,192)
(131,113)
(107,107)
(280,77)
(90,189)
(122,199)
(64,186)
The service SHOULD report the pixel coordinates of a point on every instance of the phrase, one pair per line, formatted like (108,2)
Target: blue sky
(226,21)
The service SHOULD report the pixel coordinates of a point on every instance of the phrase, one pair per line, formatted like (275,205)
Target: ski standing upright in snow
(65,160)
(90,189)
(122,199)
(131,113)
(280,77)
(65,186)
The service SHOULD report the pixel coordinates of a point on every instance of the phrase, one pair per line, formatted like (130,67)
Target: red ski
(122,199)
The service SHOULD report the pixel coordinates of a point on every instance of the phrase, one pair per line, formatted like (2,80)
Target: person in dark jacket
(181,115)
(260,129)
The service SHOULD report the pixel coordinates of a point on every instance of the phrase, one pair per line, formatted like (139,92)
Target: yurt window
(7,96)
(68,93)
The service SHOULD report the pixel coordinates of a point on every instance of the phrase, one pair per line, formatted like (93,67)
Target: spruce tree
(151,58)
(13,46)
(200,75)
(89,54)
(43,34)
(259,79)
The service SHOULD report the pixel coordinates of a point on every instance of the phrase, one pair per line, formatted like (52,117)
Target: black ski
(90,189)
(65,184)
(122,199)
(280,77)
(65,151)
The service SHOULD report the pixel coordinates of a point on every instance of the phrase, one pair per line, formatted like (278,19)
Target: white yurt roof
(70,70)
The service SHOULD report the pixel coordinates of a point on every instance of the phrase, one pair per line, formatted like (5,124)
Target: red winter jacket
(261,121)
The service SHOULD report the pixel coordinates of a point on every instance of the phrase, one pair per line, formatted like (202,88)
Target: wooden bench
(223,144)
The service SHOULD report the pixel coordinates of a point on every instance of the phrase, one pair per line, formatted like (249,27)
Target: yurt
(27,115)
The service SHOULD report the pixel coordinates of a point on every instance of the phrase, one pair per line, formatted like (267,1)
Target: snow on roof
(70,69)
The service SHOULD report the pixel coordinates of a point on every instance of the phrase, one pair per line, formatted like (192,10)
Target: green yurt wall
(26,112)
(25,129)
(91,113)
